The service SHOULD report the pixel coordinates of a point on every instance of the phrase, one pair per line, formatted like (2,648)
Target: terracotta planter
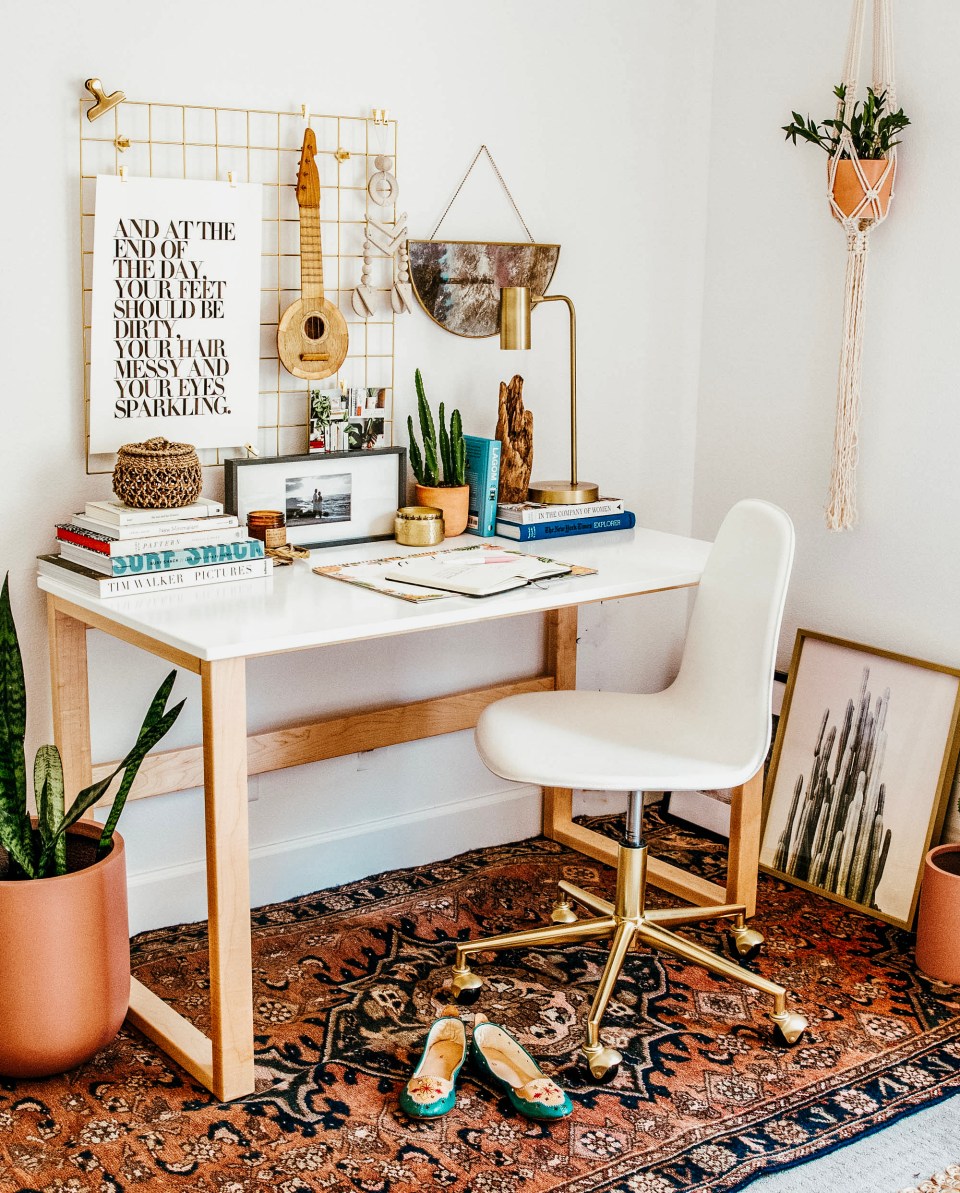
(453,500)
(938,925)
(64,962)
(848,192)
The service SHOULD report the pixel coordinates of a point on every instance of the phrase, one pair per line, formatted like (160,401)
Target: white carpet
(898,1157)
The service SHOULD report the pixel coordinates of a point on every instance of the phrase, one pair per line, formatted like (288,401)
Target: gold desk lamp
(516,303)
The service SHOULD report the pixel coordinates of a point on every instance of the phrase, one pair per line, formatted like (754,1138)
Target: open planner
(474,574)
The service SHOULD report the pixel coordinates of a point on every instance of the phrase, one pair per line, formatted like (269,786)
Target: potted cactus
(64,939)
(441,467)
(871,131)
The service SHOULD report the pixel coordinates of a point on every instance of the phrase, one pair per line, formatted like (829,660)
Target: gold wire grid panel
(159,140)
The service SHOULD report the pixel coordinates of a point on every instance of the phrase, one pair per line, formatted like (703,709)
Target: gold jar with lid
(270,526)
(418,526)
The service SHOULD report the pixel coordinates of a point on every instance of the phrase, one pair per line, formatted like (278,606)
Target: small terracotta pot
(64,962)
(938,924)
(453,500)
(848,192)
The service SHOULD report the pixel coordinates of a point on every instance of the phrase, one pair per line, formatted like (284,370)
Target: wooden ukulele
(312,336)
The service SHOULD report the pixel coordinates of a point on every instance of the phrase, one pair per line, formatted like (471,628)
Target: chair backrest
(726,675)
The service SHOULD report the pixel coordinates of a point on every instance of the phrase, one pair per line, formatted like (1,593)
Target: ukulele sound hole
(314,328)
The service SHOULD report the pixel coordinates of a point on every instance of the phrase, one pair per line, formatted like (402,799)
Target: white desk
(211,631)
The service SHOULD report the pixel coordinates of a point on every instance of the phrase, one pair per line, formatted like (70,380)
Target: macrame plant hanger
(858,219)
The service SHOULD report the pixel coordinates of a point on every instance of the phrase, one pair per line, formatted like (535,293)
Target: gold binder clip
(232,177)
(104,102)
(380,115)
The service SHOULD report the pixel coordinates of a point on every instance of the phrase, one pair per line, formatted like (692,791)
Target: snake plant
(452,450)
(41,852)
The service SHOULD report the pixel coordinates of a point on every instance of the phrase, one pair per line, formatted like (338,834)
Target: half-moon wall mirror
(458,282)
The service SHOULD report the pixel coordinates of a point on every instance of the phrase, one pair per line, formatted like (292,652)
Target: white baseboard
(284,869)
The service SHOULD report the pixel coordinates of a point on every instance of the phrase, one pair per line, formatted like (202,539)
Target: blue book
(483,477)
(566,526)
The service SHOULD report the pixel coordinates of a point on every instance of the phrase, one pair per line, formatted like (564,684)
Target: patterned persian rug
(347,980)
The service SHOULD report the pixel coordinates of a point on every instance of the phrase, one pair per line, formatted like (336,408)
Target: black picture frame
(329,498)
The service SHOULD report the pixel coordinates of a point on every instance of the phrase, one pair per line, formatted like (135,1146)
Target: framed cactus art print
(862,767)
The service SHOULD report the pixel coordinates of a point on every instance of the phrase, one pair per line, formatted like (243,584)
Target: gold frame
(941,794)
(109,139)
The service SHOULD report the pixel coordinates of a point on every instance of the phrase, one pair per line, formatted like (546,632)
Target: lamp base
(563,492)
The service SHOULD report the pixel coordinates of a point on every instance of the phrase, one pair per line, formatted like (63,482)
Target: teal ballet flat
(432,1089)
(508,1066)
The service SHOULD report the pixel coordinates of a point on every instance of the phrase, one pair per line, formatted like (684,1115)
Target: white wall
(772,323)
(599,121)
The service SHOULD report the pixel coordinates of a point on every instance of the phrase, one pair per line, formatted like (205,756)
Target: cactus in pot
(431,469)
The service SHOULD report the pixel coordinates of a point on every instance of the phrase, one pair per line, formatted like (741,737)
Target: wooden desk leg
(71,699)
(743,856)
(562,662)
(228,875)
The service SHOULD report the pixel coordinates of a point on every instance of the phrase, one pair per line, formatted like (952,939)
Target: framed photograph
(329,498)
(861,771)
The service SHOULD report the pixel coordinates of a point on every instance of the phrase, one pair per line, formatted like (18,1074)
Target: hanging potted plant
(858,143)
(451,493)
(64,939)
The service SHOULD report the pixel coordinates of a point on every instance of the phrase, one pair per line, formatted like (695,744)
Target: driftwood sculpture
(515,432)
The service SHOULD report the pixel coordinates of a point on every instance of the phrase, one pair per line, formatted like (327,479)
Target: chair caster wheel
(465,987)
(745,943)
(563,913)
(788,1028)
(603,1063)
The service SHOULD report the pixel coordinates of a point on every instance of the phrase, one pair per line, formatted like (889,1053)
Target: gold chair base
(625,923)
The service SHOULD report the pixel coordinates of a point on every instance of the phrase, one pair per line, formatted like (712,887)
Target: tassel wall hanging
(861,145)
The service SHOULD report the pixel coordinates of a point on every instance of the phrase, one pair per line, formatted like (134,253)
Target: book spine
(153,529)
(530,515)
(184,577)
(105,511)
(187,557)
(90,540)
(625,520)
(483,477)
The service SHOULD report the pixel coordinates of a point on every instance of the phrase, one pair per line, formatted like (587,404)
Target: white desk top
(296,609)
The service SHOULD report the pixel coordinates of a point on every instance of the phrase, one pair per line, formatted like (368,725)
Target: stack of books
(528,520)
(113,550)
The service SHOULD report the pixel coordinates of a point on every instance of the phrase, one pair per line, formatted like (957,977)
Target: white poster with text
(175,326)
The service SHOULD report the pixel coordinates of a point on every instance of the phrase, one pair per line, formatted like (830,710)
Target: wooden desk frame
(223,1062)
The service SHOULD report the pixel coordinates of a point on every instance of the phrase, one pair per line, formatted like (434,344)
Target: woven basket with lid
(157,474)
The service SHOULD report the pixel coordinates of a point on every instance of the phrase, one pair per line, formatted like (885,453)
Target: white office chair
(710,729)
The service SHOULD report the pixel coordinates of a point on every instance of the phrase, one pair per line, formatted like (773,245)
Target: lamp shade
(515,307)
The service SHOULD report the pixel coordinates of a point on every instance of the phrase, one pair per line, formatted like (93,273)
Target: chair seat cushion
(611,741)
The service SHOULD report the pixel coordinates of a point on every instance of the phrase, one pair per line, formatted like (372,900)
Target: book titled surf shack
(186,557)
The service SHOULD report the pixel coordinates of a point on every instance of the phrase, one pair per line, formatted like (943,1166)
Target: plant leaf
(130,772)
(416,460)
(48,789)
(15,832)
(445,455)
(91,795)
